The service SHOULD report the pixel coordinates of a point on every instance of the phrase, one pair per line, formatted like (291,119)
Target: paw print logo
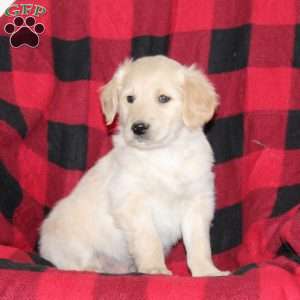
(24,32)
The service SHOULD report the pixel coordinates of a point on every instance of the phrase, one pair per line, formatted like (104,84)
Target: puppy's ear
(109,93)
(199,100)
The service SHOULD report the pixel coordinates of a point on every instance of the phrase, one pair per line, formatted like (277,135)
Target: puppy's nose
(139,128)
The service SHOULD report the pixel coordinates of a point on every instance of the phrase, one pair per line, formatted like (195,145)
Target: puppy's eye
(130,99)
(164,99)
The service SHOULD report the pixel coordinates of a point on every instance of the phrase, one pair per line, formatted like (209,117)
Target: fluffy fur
(149,191)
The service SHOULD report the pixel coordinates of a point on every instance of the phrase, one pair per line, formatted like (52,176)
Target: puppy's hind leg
(111,265)
(69,255)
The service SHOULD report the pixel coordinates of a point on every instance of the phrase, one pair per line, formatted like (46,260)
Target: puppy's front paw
(210,273)
(155,270)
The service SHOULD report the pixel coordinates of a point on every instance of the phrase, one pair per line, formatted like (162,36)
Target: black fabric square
(226,231)
(226,137)
(286,250)
(7,264)
(229,49)
(38,260)
(71,59)
(10,193)
(245,269)
(287,198)
(293,130)
(12,115)
(67,145)
(5,59)
(46,211)
(296,60)
(149,45)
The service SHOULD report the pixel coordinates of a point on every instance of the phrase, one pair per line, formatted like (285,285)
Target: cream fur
(147,193)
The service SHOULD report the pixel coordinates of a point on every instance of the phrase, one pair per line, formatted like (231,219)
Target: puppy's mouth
(146,142)
(140,140)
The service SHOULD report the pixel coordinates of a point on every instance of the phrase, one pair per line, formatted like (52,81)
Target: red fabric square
(36,60)
(33,89)
(176,260)
(66,285)
(70,20)
(291,168)
(264,41)
(160,289)
(258,205)
(259,128)
(231,13)
(7,91)
(20,238)
(231,88)
(233,287)
(158,19)
(95,116)
(33,176)
(6,232)
(66,96)
(261,169)
(268,89)
(117,17)
(193,15)
(14,254)
(45,19)
(276,283)
(273,12)
(106,56)
(106,287)
(63,180)
(198,53)
(295,90)
(228,183)
(297,11)
(227,260)
(261,241)
(26,229)
(99,142)
(37,141)
(20,284)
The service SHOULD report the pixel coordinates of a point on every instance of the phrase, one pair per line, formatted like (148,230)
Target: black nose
(139,128)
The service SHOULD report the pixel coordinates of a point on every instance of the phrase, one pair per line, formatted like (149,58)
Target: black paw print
(24,32)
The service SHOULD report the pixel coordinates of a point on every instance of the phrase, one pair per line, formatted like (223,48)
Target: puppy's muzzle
(140,128)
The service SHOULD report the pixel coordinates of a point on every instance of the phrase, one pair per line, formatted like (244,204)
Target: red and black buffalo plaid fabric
(52,131)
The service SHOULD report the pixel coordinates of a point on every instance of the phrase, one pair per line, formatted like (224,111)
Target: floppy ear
(109,101)
(109,93)
(199,100)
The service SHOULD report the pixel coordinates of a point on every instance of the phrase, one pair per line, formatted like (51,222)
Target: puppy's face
(155,97)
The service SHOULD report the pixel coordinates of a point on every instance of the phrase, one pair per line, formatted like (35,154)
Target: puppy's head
(155,98)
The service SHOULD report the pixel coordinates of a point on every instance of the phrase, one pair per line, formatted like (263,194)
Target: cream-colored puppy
(156,185)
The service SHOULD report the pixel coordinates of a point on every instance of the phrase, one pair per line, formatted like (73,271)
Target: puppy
(155,187)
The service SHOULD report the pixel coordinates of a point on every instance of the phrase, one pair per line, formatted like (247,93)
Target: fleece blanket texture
(52,130)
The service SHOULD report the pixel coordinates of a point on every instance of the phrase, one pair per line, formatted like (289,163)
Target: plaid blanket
(52,131)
